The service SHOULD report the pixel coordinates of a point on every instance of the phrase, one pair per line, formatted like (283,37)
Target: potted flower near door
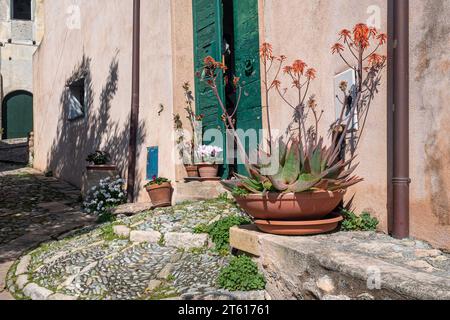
(186,140)
(298,183)
(160,192)
(99,168)
(210,156)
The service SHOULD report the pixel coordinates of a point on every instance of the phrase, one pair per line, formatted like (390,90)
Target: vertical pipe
(134,117)
(400,98)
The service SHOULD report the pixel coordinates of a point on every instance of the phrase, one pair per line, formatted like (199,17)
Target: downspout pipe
(134,116)
(399,91)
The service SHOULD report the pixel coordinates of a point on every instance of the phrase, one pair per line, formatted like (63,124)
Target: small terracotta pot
(208,170)
(300,228)
(192,171)
(160,195)
(291,207)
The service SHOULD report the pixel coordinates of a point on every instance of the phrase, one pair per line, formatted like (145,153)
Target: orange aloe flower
(361,34)
(266,51)
(298,67)
(376,59)
(382,37)
(337,48)
(209,60)
(276,84)
(287,69)
(311,73)
(236,81)
(345,34)
(373,32)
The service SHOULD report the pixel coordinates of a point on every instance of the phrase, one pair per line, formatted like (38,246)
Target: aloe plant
(301,169)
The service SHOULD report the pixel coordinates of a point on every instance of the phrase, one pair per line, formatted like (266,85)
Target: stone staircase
(192,191)
(347,266)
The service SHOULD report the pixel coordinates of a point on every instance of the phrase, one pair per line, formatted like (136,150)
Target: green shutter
(208,42)
(246,42)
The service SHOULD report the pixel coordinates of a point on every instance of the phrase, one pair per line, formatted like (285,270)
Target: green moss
(241,274)
(220,230)
(353,222)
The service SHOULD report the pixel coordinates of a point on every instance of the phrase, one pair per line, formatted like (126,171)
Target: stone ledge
(347,265)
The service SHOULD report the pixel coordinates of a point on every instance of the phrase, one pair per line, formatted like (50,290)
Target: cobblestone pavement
(33,209)
(154,255)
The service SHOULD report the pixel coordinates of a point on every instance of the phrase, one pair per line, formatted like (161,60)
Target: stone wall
(347,266)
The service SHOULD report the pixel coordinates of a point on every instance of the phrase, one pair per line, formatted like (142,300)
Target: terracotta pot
(192,171)
(208,170)
(299,228)
(160,195)
(291,207)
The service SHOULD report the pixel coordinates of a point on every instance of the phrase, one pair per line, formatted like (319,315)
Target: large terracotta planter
(94,173)
(291,207)
(208,170)
(192,171)
(300,228)
(160,195)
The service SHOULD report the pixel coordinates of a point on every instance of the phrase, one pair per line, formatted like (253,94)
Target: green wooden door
(247,67)
(208,42)
(17,115)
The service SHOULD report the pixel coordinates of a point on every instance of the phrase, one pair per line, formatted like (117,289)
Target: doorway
(228,30)
(17,115)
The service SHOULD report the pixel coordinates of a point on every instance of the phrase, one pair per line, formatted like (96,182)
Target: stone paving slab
(354,265)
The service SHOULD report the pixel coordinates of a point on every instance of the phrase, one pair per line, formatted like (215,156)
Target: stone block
(186,240)
(22,267)
(35,292)
(122,231)
(246,239)
(145,236)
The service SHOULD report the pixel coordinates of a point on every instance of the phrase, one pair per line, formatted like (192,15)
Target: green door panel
(247,67)
(17,115)
(208,37)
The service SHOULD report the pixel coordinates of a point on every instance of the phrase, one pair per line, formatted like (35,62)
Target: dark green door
(17,115)
(247,67)
(208,42)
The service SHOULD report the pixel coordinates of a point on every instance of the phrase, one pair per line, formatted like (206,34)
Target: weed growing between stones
(353,222)
(220,231)
(241,274)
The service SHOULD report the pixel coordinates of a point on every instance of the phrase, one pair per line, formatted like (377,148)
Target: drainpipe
(134,118)
(399,97)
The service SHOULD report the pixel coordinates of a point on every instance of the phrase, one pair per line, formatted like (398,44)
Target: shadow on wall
(96,130)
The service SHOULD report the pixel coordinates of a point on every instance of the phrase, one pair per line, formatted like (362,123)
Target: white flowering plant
(209,154)
(108,194)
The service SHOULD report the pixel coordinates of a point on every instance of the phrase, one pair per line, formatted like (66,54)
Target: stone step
(347,265)
(193,191)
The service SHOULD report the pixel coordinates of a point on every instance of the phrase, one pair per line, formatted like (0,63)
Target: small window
(77,101)
(21,9)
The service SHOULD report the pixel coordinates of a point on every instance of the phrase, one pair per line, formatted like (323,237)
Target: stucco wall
(298,29)
(105,42)
(309,35)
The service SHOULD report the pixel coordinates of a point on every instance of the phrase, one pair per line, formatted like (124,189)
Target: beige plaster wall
(298,29)
(309,35)
(105,40)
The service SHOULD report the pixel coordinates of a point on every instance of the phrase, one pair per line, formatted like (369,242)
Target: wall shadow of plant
(95,131)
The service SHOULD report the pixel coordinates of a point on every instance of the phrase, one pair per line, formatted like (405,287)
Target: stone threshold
(347,266)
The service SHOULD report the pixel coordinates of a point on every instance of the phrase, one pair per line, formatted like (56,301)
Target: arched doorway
(17,115)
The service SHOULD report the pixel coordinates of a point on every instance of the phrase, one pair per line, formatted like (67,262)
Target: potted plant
(209,156)
(185,144)
(299,181)
(99,168)
(160,192)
